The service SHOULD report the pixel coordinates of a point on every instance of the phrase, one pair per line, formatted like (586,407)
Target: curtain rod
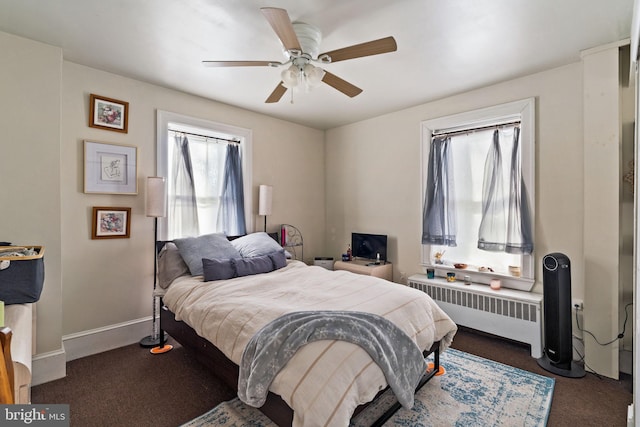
(235,141)
(469,130)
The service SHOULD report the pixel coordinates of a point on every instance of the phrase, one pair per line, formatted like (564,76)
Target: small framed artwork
(107,113)
(110,168)
(110,223)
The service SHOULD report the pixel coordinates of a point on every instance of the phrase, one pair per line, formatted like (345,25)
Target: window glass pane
(207,160)
(522,111)
(469,152)
(208,167)
(207,139)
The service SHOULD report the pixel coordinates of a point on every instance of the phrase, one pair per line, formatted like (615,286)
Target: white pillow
(209,246)
(170,265)
(256,244)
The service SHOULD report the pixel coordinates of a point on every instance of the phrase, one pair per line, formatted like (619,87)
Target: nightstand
(384,270)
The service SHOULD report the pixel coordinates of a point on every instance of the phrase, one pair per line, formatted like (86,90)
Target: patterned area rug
(472,392)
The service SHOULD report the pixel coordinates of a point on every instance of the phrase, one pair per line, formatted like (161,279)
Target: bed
(215,311)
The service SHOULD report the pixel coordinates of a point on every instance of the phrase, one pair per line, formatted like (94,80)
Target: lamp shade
(264,203)
(156,197)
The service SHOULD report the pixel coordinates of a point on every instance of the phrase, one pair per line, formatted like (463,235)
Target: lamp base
(150,341)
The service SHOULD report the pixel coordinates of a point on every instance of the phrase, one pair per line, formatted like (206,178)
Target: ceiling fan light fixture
(290,77)
(313,75)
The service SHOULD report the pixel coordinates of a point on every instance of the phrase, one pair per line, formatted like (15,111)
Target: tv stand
(368,267)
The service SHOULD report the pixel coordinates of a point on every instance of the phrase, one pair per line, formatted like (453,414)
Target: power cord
(589,369)
(620,335)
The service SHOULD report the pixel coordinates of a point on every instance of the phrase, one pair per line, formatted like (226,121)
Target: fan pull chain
(291,95)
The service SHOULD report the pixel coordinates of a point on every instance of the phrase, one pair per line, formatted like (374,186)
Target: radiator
(516,315)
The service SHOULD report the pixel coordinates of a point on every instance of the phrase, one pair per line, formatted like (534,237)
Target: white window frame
(523,110)
(163,118)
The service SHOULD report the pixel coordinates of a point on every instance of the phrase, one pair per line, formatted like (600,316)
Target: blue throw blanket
(271,347)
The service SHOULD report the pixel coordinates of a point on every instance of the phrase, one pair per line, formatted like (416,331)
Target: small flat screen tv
(368,246)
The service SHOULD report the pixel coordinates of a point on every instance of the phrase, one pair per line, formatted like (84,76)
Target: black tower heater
(558,344)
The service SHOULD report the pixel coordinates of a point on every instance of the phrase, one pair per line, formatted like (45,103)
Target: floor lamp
(156,207)
(264,202)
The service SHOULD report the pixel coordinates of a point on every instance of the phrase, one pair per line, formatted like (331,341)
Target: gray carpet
(130,387)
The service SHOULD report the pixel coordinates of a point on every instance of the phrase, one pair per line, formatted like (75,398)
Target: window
(469,138)
(207,146)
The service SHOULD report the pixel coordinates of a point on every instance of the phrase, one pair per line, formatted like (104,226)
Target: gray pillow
(218,269)
(210,246)
(254,265)
(279,259)
(170,265)
(256,244)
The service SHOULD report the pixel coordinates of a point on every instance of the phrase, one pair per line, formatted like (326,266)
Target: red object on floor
(160,350)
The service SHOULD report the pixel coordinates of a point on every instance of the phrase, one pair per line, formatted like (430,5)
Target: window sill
(506,281)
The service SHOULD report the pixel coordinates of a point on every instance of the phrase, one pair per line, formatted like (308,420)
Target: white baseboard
(49,366)
(98,340)
(52,366)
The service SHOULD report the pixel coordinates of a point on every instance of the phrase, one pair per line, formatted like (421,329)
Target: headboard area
(161,243)
(182,257)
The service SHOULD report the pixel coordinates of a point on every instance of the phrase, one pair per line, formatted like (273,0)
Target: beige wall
(626,197)
(107,282)
(30,166)
(373,185)
(94,284)
(373,170)
(602,207)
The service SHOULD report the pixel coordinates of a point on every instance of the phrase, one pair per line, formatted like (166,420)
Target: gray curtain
(506,218)
(438,217)
(519,229)
(493,226)
(182,205)
(231,214)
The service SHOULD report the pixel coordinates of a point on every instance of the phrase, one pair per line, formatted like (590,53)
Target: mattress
(325,380)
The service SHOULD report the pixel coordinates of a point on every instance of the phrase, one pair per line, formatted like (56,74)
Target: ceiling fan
(301,42)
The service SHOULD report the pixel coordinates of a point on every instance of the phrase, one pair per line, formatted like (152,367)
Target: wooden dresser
(384,270)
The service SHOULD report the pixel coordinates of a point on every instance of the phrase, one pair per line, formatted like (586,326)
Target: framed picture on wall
(110,223)
(110,168)
(107,113)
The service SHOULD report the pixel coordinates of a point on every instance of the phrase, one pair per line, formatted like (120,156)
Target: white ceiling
(444,46)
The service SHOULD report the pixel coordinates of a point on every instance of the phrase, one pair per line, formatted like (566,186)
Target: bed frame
(275,408)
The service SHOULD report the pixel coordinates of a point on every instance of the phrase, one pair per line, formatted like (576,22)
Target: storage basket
(21,277)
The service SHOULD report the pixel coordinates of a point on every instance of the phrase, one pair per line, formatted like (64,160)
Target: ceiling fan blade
(281,24)
(341,85)
(276,94)
(374,47)
(238,63)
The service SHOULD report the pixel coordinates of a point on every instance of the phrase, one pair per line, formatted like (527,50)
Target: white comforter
(326,380)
